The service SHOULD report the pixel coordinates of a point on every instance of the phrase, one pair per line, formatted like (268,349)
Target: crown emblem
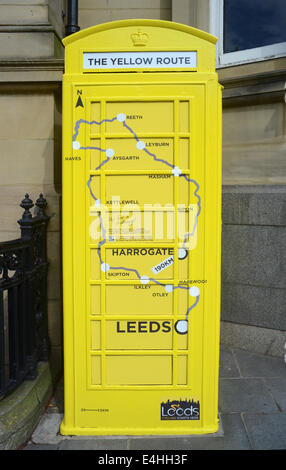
(139,38)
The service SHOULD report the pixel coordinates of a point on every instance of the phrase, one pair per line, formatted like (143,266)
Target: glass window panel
(255,23)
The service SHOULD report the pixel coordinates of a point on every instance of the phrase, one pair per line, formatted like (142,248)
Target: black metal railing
(23,299)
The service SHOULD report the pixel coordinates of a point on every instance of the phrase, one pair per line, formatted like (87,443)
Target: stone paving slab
(228,367)
(41,447)
(47,430)
(235,436)
(267,431)
(245,395)
(277,387)
(255,365)
(94,444)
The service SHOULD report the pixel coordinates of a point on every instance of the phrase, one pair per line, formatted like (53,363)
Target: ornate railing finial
(41,203)
(27,204)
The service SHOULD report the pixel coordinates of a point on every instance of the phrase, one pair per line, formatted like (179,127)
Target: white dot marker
(176,171)
(194,291)
(169,288)
(76,145)
(121,117)
(105,267)
(140,145)
(182,253)
(109,153)
(97,203)
(144,279)
(181,326)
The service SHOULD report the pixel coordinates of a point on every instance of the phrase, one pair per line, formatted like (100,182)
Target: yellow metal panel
(141,230)
(139,370)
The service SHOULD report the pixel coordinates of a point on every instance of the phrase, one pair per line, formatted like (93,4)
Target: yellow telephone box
(141,229)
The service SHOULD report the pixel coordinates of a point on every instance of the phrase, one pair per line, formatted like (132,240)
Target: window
(248,30)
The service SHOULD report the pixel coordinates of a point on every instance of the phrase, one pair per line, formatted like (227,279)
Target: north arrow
(79,102)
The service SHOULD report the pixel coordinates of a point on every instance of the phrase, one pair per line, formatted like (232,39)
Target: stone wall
(254,264)
(92,12)
(30,137)
(254,131)
(31,29)
(254,255)
(31,67)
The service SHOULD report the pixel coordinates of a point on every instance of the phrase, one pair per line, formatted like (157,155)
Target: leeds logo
(179,409)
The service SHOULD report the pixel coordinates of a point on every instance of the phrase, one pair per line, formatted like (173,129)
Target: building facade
(253,72)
